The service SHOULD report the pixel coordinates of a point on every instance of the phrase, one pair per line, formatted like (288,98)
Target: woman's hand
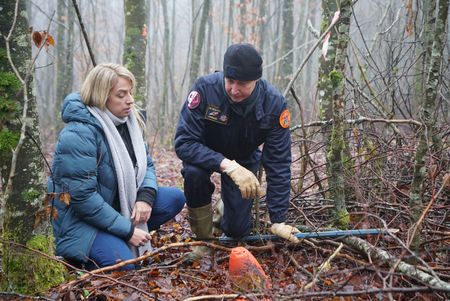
(141,212)
(139,238)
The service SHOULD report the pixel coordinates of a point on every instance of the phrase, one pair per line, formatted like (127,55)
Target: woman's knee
(177,199)
(107,250)
(174,199)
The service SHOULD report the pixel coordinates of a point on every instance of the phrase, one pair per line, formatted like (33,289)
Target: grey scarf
(129,179)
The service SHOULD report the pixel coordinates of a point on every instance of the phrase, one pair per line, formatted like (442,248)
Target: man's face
(239,90)
(120,100)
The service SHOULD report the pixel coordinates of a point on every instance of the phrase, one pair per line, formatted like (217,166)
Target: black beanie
(242,62)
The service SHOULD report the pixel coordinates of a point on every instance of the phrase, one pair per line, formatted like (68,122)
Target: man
(226,117)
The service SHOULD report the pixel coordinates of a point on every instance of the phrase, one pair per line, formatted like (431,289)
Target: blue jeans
(108,249)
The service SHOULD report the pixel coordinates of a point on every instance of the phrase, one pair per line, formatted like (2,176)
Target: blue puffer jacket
(83,167)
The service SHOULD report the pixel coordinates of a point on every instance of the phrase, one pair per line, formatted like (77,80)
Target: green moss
(9,85)
(27,272)
(8,82)
(336,78)
(30,194)
(342,218)
(8,140)
(324,25)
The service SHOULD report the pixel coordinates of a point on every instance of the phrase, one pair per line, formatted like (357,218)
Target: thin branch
(147,255)
(425,212)
(8,38)
(358,121)
(311,51)
(83,30)
(324,266)
(326,293)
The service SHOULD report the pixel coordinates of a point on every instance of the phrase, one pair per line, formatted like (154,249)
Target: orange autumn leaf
(54,213)
(50,40)
(65,198)
(40,37)
(48,196)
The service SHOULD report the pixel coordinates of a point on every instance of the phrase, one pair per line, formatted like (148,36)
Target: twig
(216,297)
(357,121)
(324,266)
(424,213)
(83,30)
(298,266)
(8,296)
(311,51)
(367,292)
(147,255)
(117,281)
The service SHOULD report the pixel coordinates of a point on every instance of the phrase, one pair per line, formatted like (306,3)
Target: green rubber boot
(200,220)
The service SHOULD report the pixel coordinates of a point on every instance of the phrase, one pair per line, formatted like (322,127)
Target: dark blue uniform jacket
(210,131)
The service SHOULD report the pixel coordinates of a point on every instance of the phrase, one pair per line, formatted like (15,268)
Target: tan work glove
(285,231)
(246,181)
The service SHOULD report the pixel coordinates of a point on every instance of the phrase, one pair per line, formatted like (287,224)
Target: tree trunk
(208,46)
(262,25)
(230,23)
(164,104)
(287,44)
(432,87)
(332,103)
(242,23)
(338,153)
(64,55)
(325,88)
(195,63)
(22,171)
(135,45)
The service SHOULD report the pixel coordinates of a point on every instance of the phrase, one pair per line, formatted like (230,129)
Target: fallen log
(401,266)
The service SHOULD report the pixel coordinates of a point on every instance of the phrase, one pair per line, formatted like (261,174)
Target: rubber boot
(200,220)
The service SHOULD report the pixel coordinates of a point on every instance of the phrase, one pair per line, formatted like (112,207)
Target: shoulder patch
(193,100)
(285,119)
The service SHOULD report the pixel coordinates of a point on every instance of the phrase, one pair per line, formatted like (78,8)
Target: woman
(102,163)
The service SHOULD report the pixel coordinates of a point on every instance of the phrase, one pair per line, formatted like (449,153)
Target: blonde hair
(99,83)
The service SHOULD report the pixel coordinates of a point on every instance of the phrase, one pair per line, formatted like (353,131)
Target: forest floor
(310,270)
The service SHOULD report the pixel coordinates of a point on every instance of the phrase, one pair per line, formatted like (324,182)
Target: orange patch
(285,119)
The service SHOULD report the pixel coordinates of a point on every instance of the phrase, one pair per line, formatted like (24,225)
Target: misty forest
(367,85)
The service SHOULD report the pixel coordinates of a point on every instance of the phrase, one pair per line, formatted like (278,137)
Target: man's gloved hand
(285,231)
(246,181)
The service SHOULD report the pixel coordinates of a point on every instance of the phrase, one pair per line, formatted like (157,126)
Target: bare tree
(331,93)
(195,61)
(287,44)
(428,114)
(135,45)
(64,50)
